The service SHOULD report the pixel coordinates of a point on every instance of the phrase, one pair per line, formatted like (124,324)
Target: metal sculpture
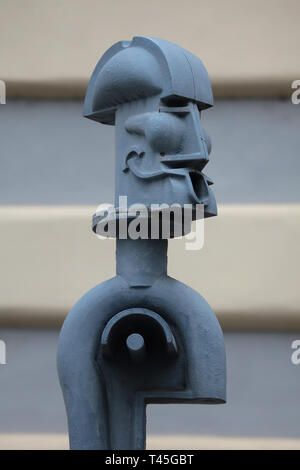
(143,337)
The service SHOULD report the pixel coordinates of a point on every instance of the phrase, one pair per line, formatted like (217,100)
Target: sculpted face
(154,92)
(165,152)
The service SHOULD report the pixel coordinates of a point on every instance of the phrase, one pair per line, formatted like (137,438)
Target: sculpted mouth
(199,182)
(199,185)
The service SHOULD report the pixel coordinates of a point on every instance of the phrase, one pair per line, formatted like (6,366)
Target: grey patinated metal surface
(143,337)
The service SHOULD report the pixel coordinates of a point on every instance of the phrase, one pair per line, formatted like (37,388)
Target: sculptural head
(154,92)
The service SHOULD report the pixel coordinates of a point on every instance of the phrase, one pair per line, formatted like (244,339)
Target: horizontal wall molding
(248,270)
(72,88)
(45,441)
(49,49)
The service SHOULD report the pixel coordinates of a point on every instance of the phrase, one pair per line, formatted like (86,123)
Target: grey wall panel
(43,156)
(263,389)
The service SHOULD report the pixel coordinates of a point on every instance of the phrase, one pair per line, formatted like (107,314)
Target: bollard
(143,337)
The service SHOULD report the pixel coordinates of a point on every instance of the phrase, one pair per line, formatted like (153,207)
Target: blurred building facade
(57,167)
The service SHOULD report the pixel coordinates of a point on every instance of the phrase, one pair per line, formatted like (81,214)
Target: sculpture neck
(141,262)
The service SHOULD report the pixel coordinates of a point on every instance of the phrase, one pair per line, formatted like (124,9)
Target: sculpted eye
(174,101)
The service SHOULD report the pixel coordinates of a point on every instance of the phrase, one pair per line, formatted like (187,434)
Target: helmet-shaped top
(144,67)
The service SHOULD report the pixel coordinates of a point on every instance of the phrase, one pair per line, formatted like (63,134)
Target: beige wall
(248,269)
(45,441)
(50,47)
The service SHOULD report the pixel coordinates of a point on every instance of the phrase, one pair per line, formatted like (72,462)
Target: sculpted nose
(203,139)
